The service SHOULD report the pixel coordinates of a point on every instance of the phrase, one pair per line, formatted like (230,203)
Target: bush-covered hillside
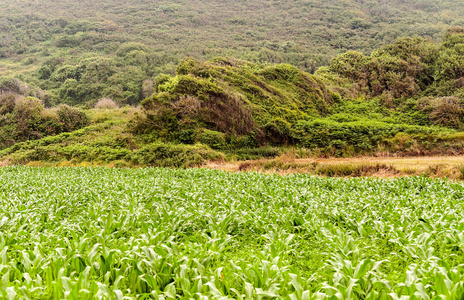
(407,68)
(229,104)
(230,101)
(409,87)
(80,51)
(405,98)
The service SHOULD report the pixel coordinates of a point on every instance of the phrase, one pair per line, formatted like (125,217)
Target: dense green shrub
(179,156)
(247,104)
(214,139)
(451,62)
(403,68)
(362,134)
(410,67)
(71,118)
(25,118)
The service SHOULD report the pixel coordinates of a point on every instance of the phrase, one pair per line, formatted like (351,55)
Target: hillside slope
(233,109)
(80,51)
(406,98)
(234,99)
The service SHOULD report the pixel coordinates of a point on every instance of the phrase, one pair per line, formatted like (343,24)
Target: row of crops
(96,233)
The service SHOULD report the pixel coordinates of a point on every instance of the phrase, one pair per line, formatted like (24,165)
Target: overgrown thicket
(124,78)
(25,118)
(64,148)
(410,74)
(227,102)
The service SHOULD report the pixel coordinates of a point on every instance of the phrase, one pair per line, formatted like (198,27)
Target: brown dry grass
(106,103)
(380,167)
(432,166)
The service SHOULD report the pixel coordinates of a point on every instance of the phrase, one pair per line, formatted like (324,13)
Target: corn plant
(96,233)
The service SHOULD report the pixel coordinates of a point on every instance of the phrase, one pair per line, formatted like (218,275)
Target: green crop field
(96,233)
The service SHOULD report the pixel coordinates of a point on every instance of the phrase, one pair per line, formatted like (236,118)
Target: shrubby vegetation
(408,68)
(247,110)
(83,51)
(362,134)
(106,142)
(359,103)
(231,103)
(25,118)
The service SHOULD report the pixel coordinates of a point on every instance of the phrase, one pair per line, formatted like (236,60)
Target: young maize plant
(96,233)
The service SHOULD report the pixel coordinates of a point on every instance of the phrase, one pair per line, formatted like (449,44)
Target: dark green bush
(25,118)
(248,104)
(363,134)
(403,68)
(214,139)
(71,118)
(179,156)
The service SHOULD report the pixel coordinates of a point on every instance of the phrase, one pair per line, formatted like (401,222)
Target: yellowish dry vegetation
(431,166)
